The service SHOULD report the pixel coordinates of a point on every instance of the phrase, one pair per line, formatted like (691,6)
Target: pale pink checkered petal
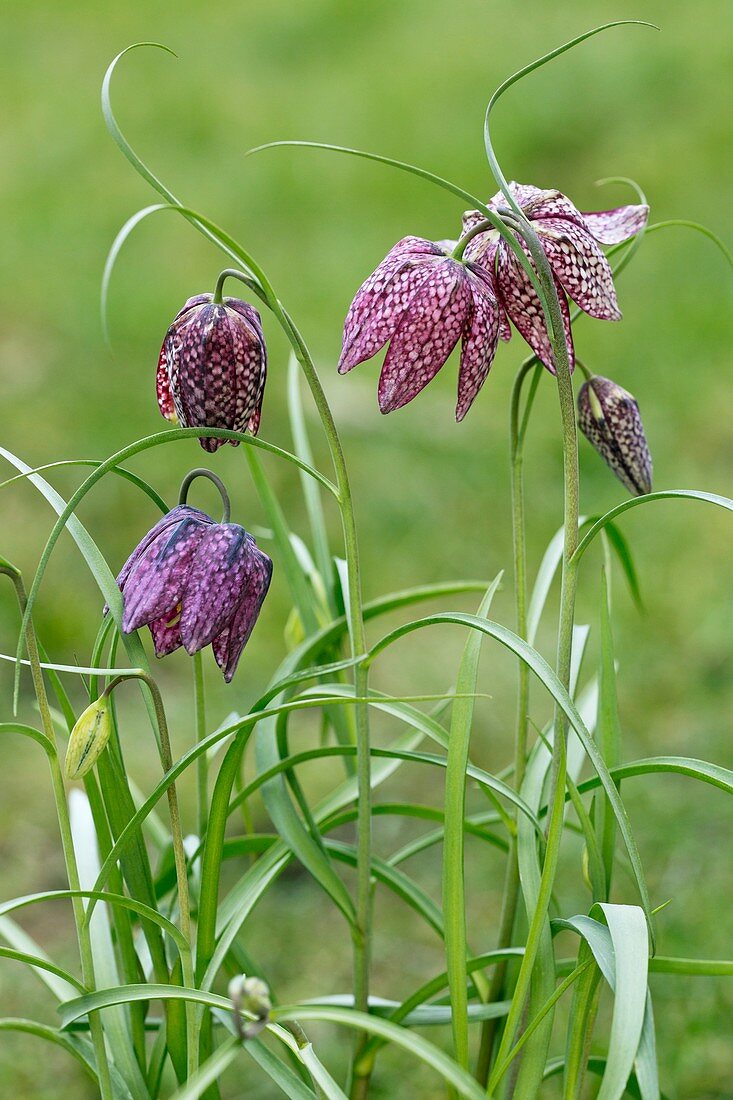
(480,338)
(525,309)
(374,286)
(614,226)
(522,193)
(553,204)
(428,332)
(581,267)
(380,311)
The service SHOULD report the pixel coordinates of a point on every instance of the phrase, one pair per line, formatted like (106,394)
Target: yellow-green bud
(88,738)
(251,996)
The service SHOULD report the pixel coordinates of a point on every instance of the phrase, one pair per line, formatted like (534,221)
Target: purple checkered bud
(193,583)
(608,417)
(422,301)
(212,367)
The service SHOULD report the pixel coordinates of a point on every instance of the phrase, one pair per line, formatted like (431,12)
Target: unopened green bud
(88,738)
(252,997)
(608,417)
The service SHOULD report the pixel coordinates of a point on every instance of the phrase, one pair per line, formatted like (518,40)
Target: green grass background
(410,79)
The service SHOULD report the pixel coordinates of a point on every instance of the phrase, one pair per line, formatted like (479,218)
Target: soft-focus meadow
(408,78)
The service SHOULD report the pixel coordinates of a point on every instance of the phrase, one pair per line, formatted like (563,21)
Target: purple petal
(480,339)
(523,193)
(180,512)
(157,579)
(217,363)
(382,298)
(214,584)
(581,267)
(427,334)
(166,633)
(553,204)
(163,388)
(614,226)
(228,645)
(525,309)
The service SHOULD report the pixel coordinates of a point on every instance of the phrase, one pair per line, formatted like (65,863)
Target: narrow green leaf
(414,1044)
(454,898)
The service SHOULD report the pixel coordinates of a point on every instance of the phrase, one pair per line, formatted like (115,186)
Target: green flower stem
(202,767)
(179,852)
(482,227)
(355,616)
(67,840)
(511,880)
(556,796)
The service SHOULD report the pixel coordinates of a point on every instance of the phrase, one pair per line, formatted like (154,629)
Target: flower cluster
(424,297)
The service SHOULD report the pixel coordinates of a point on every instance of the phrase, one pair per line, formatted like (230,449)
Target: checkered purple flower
(422,302)
(212,367)
(571,241)
(195,582)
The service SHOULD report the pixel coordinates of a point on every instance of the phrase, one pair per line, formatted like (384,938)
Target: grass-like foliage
(164,997)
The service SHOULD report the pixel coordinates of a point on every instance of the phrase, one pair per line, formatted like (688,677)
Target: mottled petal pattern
(614,226)
(163,389)
(157,580)
(427,334)
(214,585)
(228,645)
(609,418)
(480,338)
(580,266)
(216,362)
(380,310)
(525,309)
(192,582)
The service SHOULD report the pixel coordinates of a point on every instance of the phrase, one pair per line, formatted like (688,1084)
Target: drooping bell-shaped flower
(423,301)
(571,241)
(195,582)
(212,367)
(608,417)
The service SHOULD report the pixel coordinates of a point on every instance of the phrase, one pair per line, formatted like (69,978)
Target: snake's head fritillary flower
(212,367)
(571,241)
(608,417)
(195,582)
(422,301)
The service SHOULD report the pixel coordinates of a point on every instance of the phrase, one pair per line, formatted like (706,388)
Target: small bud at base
(88,739)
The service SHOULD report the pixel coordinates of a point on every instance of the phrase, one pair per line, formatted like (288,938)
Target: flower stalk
(556,795)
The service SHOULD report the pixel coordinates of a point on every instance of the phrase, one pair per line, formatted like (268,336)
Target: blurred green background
(410,79)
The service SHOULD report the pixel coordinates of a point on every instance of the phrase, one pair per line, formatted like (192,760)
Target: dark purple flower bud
(195,582)
(423,301)
(608,417)
(212,367)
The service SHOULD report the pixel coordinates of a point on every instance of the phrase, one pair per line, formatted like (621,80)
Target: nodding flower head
(195,582)
(212,367)
(608,417)
(571,241)
(422,301)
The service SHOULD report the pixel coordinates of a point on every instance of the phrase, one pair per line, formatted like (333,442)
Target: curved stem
(556,795)
(355,616)
(511,880)
(67,840)
(482,227)
(179,852)
(201,471)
